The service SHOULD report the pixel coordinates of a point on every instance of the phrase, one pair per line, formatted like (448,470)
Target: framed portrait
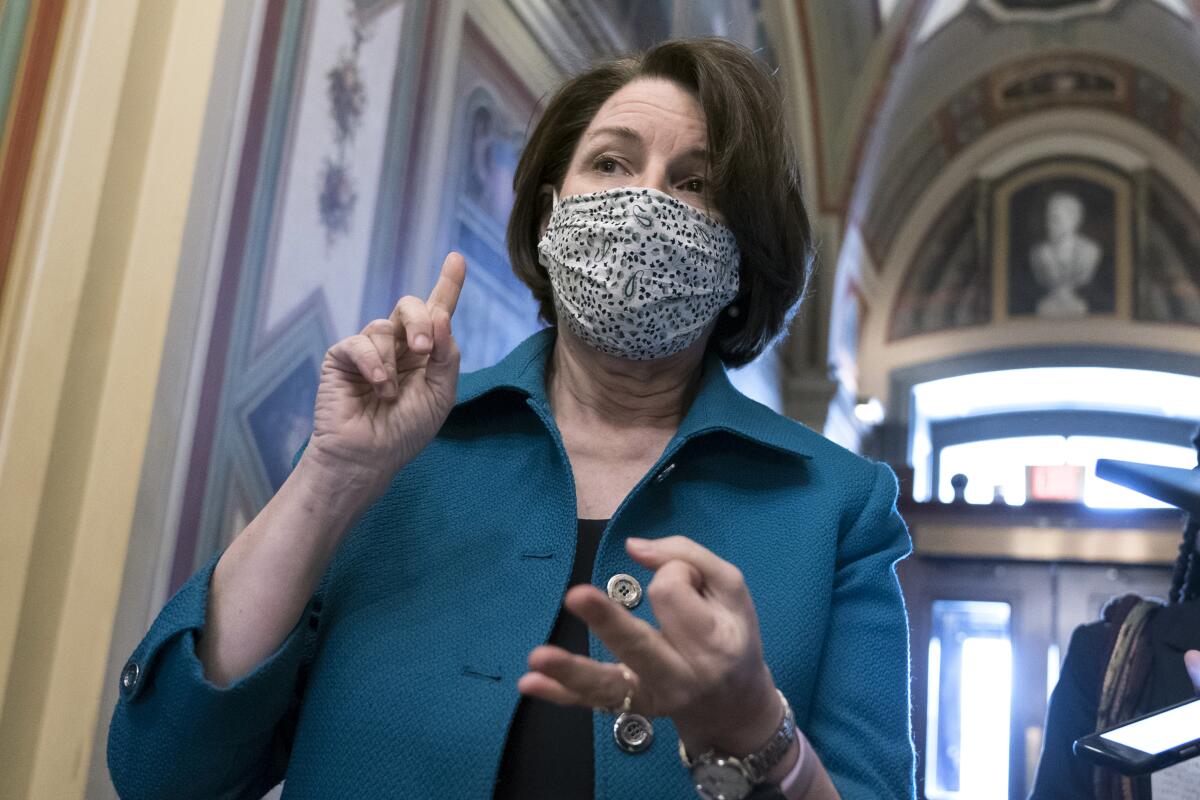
(1062,242)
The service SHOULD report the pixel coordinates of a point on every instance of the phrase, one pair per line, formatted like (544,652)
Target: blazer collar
(718,406)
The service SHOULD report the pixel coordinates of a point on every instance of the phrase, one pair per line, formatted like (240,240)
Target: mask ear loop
(553,207)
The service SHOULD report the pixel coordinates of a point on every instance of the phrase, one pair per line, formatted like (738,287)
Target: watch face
(717,780)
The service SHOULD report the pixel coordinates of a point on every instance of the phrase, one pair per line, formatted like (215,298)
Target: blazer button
(633,733)
(625,590)
(130,677)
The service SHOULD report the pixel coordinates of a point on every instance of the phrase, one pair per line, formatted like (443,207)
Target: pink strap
(789,785)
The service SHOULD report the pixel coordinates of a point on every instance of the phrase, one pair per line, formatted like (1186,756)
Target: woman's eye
(606,165)
(695,185)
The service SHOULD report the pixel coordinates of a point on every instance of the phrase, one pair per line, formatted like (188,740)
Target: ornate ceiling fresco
(896,97)
(1023,88)
(957,107)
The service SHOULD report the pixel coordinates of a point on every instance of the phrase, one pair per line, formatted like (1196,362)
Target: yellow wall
(82,334)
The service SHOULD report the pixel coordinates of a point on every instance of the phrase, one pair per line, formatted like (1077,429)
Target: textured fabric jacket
(399,680)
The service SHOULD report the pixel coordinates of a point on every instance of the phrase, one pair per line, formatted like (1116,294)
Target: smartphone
(1149,743)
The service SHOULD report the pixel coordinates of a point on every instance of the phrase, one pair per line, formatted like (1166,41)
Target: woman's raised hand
(386,391)
(703,666)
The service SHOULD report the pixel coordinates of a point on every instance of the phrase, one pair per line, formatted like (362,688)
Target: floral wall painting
(347,101)
(948,284)
(329,180)
(1062,236)
(1168,279)
(313,239)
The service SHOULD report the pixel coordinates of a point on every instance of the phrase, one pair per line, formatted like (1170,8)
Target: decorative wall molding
(1045,10)
(29,31)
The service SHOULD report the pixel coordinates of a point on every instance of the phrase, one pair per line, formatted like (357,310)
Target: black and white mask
(637,273)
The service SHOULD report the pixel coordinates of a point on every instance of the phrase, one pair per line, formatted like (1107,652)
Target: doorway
(988,638)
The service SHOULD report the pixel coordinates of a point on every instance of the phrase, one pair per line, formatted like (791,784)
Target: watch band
(759,763)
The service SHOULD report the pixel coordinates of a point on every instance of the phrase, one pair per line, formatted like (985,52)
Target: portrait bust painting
(1061,248)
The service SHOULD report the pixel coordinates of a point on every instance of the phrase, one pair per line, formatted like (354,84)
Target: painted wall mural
(495,110)
(280,423)
(311,244)
(1024,87)
(329,183)
(1168,275)
(949,282)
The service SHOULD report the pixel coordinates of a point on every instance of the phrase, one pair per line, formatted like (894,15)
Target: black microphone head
(1179,487)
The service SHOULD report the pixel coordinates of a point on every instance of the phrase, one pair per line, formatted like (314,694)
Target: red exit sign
(1061,483)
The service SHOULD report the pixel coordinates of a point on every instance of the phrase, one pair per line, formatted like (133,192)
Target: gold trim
(1049,65)
(1031,543)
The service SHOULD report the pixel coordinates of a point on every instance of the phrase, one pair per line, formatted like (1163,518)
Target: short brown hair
(753,171)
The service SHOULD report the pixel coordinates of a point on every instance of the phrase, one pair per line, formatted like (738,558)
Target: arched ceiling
(877,74)
(901,94)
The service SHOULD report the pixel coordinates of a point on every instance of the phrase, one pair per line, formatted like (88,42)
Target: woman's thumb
(441,371)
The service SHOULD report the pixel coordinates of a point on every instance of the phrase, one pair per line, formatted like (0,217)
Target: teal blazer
(399,680)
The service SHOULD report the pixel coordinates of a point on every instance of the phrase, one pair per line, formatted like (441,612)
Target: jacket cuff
(163,680)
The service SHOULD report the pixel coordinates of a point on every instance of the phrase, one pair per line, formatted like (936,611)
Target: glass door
(968,700)
(981,632)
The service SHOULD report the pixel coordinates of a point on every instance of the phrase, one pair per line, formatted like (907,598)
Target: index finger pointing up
(449,285)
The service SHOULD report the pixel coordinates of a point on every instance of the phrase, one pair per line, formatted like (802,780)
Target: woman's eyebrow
(620,131)
(696,154)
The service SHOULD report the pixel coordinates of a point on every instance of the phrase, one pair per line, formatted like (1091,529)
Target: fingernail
(421,342)
(378,375)
(640,544)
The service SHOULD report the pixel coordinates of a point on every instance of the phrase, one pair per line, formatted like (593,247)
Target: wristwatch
(719,777)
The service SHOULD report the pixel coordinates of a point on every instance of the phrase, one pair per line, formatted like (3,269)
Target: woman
(658,221)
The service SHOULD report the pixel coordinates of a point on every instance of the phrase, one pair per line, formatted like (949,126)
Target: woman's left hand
(703,667)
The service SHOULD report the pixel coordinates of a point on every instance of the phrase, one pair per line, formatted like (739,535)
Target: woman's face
(650,133)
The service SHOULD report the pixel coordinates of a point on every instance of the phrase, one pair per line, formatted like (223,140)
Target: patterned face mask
(637,273)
